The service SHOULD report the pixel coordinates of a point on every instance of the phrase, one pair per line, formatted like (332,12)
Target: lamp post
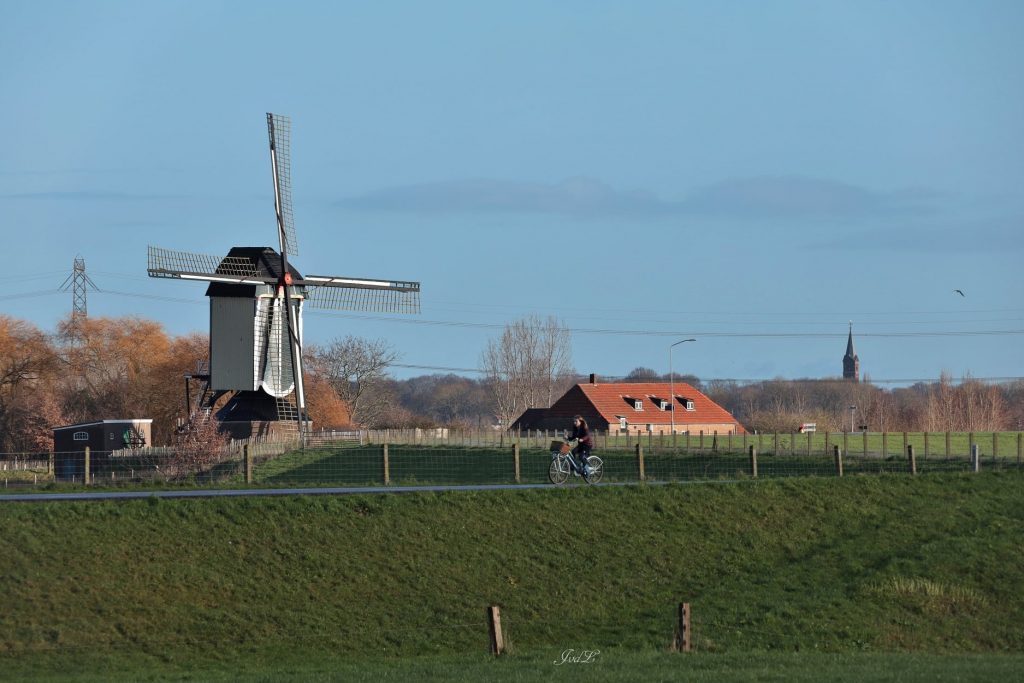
(672,386)
(853,409)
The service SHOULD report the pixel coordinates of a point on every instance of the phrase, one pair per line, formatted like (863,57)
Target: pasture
(864,577)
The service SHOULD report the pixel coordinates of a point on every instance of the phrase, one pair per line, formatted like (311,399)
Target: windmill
(256,302)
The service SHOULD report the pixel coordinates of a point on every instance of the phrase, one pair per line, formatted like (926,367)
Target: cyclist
(584,442)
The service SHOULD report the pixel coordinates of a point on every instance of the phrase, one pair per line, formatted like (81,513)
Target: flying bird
(959,292)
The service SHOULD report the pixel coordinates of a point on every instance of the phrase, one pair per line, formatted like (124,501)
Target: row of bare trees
(106,368)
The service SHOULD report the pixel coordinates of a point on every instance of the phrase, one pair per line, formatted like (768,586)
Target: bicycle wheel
(596,469)
(558,470)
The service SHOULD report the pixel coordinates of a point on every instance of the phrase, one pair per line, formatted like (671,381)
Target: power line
(675,333)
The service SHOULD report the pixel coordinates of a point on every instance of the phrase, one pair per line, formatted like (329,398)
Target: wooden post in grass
(975,459)
(838,454)
(247,456)
(640,461)
(865,449)
(681,643)
(85,476)
(827,440)
(753,462)
(49,463)
(809,435)
(494,627)
(386,463)
(912,460)
(515,459)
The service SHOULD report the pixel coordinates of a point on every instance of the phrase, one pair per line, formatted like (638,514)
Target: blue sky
(752,174)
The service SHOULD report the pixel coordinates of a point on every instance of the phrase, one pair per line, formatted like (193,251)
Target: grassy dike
(930,565)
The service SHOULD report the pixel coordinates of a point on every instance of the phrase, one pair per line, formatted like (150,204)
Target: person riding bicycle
(584,442)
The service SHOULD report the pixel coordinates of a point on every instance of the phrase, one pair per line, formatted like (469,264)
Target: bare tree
(355,368)
(528,366)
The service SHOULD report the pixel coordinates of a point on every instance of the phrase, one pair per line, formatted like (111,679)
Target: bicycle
(564,463)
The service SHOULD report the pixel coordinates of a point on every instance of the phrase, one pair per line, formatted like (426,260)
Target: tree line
(119,368)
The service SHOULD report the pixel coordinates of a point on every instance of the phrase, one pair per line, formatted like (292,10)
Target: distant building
(102,437)
(851,363)
(644,407)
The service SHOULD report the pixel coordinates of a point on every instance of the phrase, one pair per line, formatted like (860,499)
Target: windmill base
(258,415)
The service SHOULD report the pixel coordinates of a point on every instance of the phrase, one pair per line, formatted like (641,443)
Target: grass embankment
(292,586)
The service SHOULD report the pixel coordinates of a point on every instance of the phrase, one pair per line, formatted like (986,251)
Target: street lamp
(852,410)
(672,385)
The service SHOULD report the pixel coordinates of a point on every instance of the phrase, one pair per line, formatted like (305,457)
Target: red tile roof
(609,402)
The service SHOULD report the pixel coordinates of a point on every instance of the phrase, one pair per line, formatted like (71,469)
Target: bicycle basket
(560,446)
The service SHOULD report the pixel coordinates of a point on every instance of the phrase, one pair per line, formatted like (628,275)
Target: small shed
(101,437)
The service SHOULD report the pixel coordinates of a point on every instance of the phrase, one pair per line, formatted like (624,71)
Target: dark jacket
(583,434)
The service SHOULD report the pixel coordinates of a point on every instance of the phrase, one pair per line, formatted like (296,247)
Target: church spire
(851,363)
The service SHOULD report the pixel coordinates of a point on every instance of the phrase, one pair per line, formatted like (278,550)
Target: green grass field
(864,576)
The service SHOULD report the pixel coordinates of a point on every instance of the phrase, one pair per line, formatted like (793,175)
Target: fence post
(809,435)
(682,639)
(86,479)
(910,457)
(975,459)
(494,627)
(776,451)
(702,442)
(247,455)
(839,460)
(386,463)
(865,449)
(640,461)
(515,459)
(687,446)
(753,462)
(49,462)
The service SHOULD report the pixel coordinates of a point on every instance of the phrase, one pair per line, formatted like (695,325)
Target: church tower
(851,363)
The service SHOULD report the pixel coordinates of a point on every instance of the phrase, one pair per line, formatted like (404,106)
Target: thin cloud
(997,235)
(743,198)
(802,197)
(573,196)
(89,196)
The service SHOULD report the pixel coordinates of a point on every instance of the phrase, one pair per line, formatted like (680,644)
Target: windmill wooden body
(255,337)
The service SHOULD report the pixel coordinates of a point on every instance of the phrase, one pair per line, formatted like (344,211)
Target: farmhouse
(646,407)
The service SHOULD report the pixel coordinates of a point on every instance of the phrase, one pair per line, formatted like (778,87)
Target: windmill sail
(273,369)
(279,128)
(187,265)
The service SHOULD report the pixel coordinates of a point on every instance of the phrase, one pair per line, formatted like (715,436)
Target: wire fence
(371,460)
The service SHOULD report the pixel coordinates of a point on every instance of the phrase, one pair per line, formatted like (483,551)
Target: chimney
(593,378)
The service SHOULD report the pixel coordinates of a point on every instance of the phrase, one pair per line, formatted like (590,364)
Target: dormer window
(661,403)
(688,403)
(635,403)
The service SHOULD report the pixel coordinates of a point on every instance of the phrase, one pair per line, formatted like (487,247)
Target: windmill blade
(279,129)
(186,265)
(356,294)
